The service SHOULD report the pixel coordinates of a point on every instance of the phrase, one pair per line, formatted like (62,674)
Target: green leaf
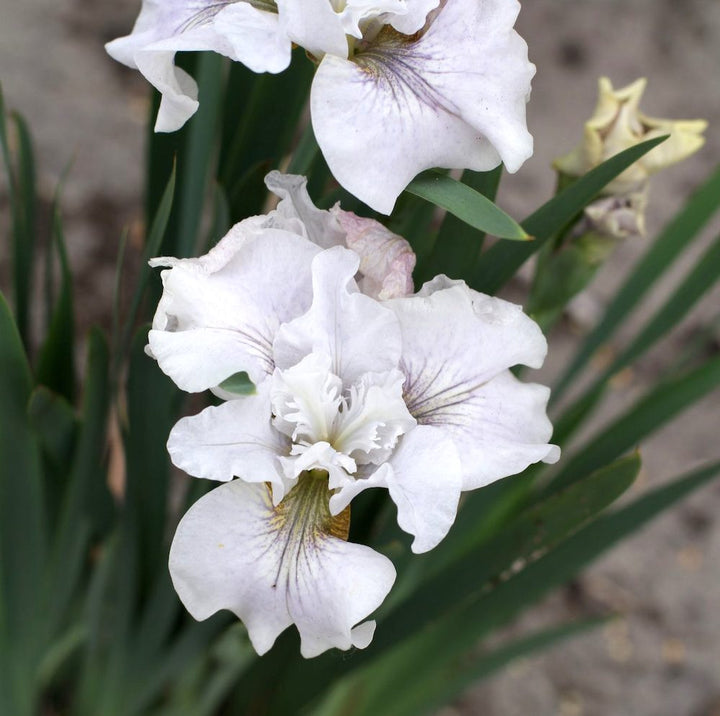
(56,362)
(196,161)
(458,245)
(87,507)
(238,383)
(443,683)
(659,406)
(675,238)
(22,519)
(305,152)
(537,529)
(500,263)
(467,204)
(221,223)
(152,247)
(23,200)
(447,640)
(152,403)
(262,135)
(701,279)
(54,422)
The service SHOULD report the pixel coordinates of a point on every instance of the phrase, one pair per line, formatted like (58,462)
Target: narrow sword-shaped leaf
(676,237)
(467,204)
(499,263)
(663,403)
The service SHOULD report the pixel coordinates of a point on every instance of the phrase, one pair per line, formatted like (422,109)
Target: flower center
(334,428)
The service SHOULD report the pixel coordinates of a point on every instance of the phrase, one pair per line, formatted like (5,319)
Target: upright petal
(295,204)
(386,259)
(219,314)
(274,566)
(314,25)
(453,97)
(457,348)
(359,334)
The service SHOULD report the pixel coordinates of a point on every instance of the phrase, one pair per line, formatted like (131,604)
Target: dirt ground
(661,657)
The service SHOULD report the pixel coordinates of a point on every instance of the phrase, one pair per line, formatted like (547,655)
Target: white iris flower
(412,394)
(401,85)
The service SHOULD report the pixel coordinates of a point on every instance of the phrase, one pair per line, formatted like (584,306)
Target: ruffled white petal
(318,226)
(424,477)
(386,259)
(314,25)
(457,347)
(234,29)
(235,439)
(373,418)
(276,566)
(455,97)
(219,314)
(414,16)
(359,334)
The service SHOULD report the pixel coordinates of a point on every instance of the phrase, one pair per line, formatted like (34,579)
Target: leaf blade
(466,204)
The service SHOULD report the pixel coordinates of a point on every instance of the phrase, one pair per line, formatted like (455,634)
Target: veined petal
(235,439)
(424,478)
(386,259)
(457,347)
(232,28)
(359,334)
(219,314)
(454,97)
(499,430)
(274,566)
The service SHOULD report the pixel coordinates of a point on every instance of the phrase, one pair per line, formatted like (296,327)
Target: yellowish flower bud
(618,124)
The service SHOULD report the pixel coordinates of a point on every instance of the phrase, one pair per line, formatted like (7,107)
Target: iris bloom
(401,85)
(412,394)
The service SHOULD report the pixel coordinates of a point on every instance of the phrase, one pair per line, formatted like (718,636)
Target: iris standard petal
(359,334)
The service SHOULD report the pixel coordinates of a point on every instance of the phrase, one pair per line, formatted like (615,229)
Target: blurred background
(661,656)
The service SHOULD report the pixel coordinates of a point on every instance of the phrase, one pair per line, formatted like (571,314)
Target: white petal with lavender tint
(219,315)
(454,97)
(232,28)
(314,25)
(386,259)
(359,334)
(234,439)
(320,227)
(374,416)
(424,478)
(274,566)
(460,383)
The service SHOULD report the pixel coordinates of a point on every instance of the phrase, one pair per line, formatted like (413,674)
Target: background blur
(661,657)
